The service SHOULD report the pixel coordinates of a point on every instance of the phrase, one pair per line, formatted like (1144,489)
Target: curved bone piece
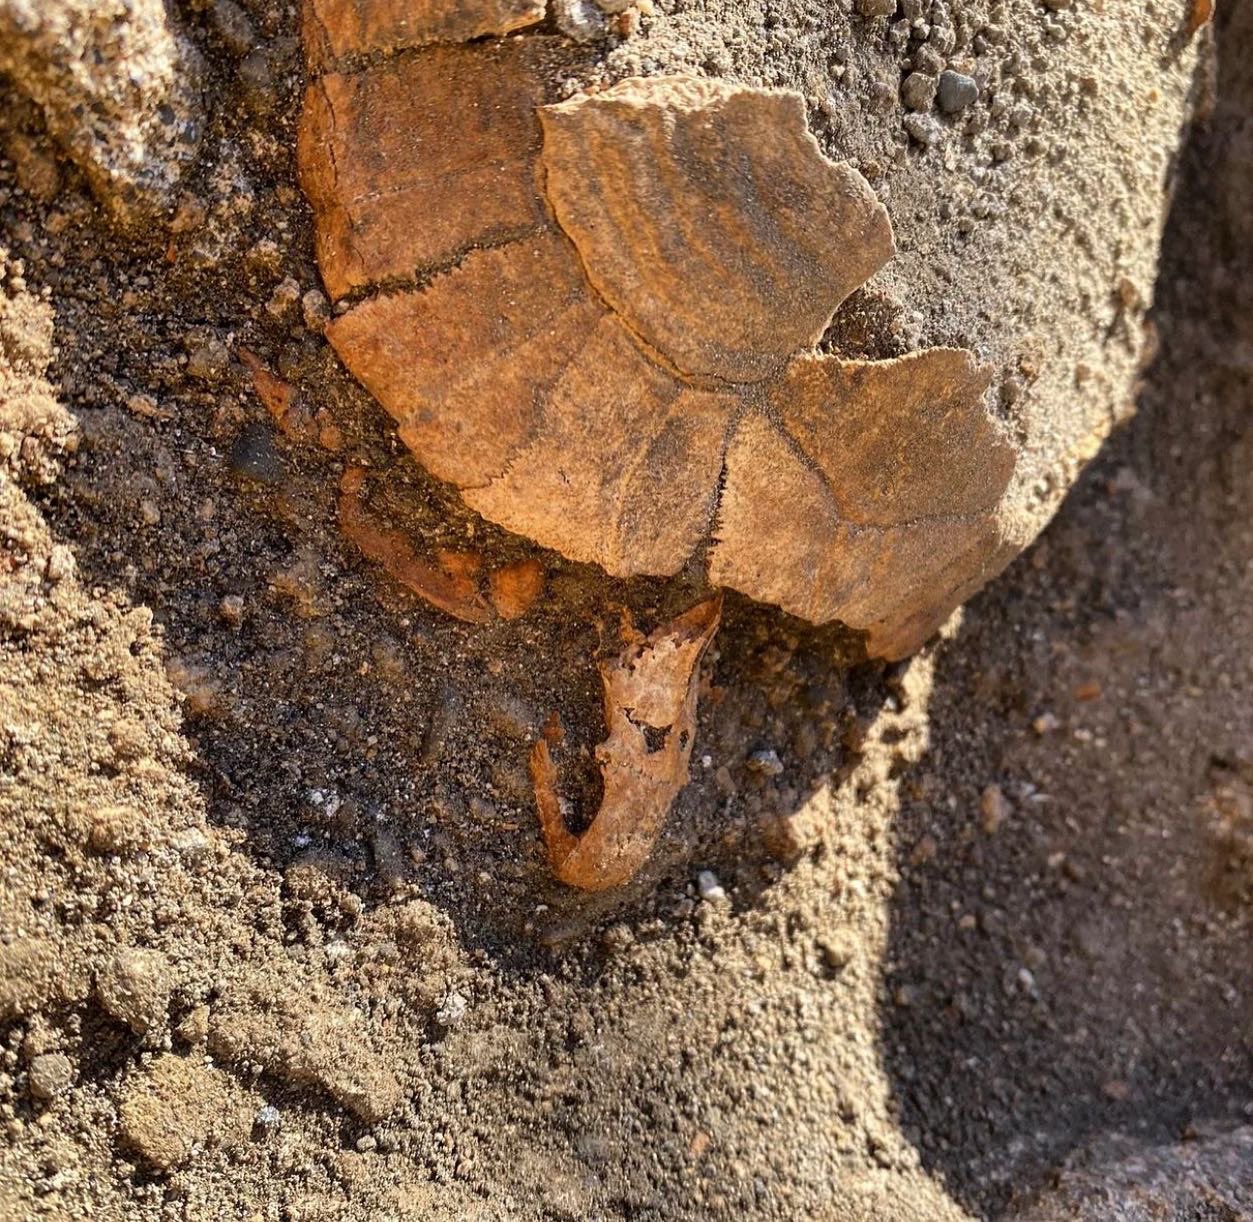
(650,711)
(597,320)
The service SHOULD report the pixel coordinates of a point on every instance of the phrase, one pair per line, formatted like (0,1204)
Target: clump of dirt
(277,930)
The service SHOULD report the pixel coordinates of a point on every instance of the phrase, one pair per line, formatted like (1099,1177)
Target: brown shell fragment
(707,216)
(512,381)
(628,486)
(459,363)
(897,440)
(335,28)
(868,496)
(650,711)
(412,163)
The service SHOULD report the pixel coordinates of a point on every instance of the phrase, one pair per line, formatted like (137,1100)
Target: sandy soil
(277,938)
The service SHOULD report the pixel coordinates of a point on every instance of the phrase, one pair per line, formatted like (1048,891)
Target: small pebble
(1046,723)
(928,60)
(118,829)
(918,91)
(994,809)
(267,1119)
(836,952)
(254,456)
(51,1075)
(208,361)
(711,890)
(943,38)
(316,310)
(452,1011)
(956,92)
(231,609)
(195,1026)
(924,851)
(60,564)
(264,256)
(766,761)
(134,986)
(231,25)
(924,129)
(617,938)
(146,405)
(256,77)
(580,20)
(284,297)
(366,1144)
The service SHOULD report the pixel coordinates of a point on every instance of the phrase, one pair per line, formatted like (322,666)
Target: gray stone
(580,20)
(766,761)
(267,1119)
(956,92)
(452,1010)
(711,890)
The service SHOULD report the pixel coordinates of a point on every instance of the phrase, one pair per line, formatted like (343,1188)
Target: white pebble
(709,887)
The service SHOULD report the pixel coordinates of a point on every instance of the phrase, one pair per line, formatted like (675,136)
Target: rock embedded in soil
(918,91)
(956,92)
(580,20)
(922,128)
(36,972)
(51,1075)
(118,829)
(275,1027)
(134,986)
(119,88)
(170,1110)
